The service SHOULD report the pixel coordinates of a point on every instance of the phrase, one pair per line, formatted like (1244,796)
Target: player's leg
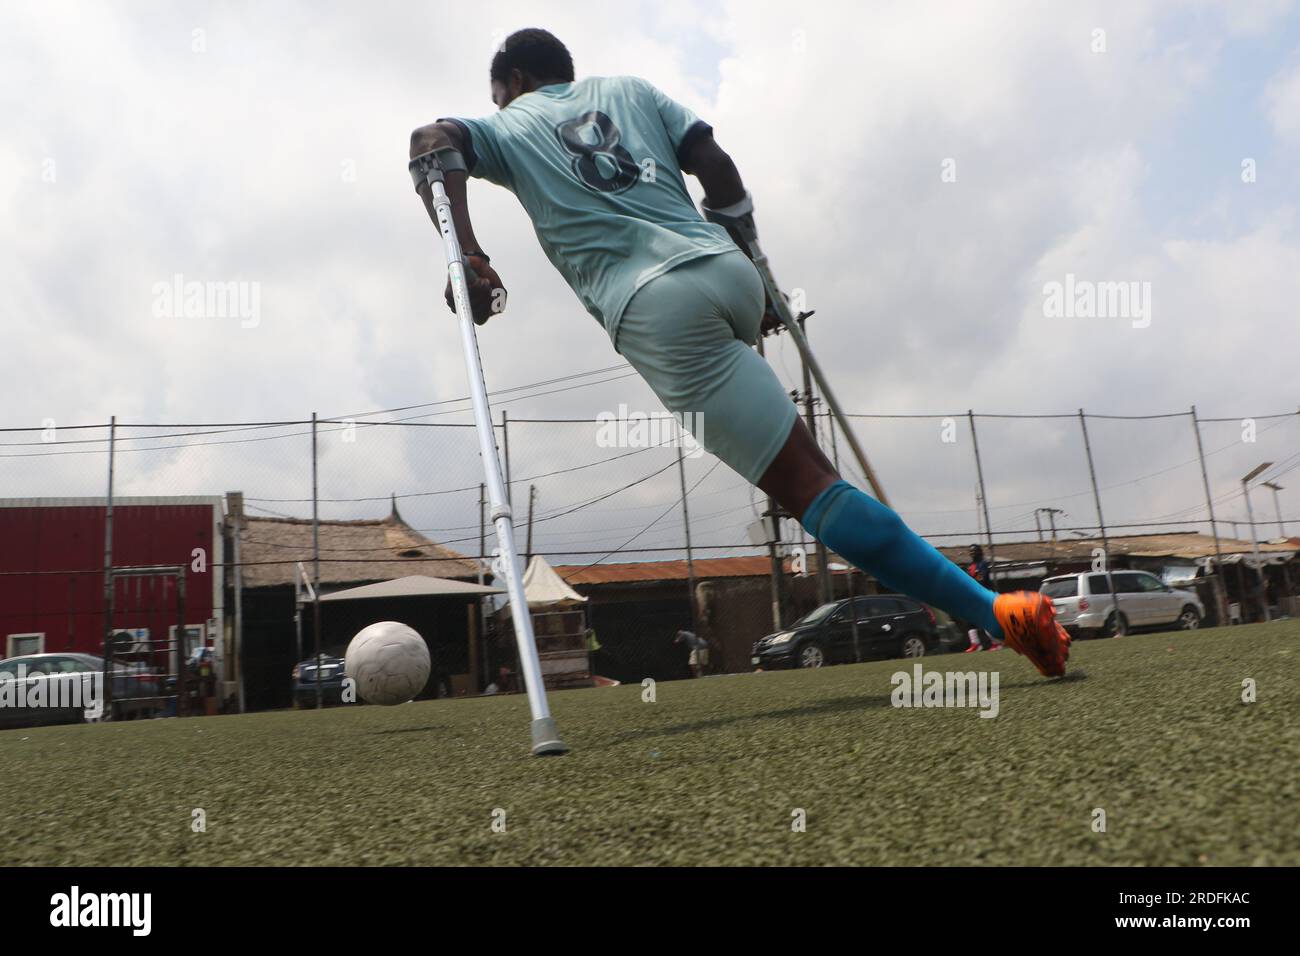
(688,333)
(676,332)
(871,535)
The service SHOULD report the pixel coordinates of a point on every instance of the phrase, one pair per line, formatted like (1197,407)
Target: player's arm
(444,135)
(726,201)
(484,282)
(709,163)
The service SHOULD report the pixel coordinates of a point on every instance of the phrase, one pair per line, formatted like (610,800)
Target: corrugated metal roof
(640,572)
(634,572)
(1187,545)
(118,501)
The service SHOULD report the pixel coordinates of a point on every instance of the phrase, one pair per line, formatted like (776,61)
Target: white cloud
(1282,96)
(228,164)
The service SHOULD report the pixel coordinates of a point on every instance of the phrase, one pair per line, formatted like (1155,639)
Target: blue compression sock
(873,537)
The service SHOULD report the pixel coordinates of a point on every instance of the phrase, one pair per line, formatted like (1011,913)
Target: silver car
(1085,607)
(136,692)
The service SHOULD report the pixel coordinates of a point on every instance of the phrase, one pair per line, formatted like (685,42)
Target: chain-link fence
(593,496)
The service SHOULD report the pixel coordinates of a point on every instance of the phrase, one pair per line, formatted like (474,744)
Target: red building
(52,570)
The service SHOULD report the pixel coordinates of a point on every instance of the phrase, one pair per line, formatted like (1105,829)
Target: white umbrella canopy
(542,586)
(414,585)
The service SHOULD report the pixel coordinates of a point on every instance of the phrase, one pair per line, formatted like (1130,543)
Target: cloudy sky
(925,172)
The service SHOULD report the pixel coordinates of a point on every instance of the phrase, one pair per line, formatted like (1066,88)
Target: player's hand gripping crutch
(738,220)
(430,170)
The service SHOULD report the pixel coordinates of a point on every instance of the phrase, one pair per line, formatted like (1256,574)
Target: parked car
(1085,607)
(331,681)
(888,625)
(136,691)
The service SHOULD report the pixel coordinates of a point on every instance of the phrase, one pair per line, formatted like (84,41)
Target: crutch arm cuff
(744,207)
(434,165)
(737,219)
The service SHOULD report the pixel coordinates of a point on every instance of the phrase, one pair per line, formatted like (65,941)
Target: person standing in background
(979,569)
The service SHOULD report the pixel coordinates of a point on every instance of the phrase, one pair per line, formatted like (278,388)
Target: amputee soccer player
(597,164)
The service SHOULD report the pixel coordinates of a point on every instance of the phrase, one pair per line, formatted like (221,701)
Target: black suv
(888,625)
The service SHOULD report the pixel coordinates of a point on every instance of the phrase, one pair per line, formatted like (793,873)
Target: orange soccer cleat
(1029,627)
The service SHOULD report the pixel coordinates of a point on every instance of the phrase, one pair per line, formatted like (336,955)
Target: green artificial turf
(1152,729)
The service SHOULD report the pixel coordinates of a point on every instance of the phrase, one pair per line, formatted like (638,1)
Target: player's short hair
(538,53)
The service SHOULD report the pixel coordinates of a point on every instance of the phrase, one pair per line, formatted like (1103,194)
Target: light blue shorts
(688,333)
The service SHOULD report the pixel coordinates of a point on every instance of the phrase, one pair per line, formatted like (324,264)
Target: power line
(222,428)
(671,507)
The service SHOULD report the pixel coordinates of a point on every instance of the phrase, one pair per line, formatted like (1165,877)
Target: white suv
(1084,605)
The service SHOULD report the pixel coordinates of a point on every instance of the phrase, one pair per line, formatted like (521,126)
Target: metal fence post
(315,553)
(686,521)
(1101,524)
(182,660)
(505,453)
(1217,584)
(984,498)
(109,584)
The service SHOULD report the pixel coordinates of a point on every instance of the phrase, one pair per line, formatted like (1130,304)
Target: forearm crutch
(430,169)
(743,231)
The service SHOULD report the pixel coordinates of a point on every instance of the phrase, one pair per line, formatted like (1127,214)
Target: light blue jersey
(597,165)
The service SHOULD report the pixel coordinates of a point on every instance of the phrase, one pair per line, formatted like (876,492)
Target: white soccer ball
(389,662)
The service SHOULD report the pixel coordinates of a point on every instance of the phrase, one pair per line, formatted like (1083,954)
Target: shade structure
(543,587)
(414,585)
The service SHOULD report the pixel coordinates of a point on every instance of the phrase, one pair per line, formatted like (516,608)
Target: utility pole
(835,446)
(1254,538)
(773,534)
(1051,518)
(1277,505)
(1281,532)
(810,418)
(773,519)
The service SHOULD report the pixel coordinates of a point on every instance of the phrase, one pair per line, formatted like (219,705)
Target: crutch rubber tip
(546,738)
